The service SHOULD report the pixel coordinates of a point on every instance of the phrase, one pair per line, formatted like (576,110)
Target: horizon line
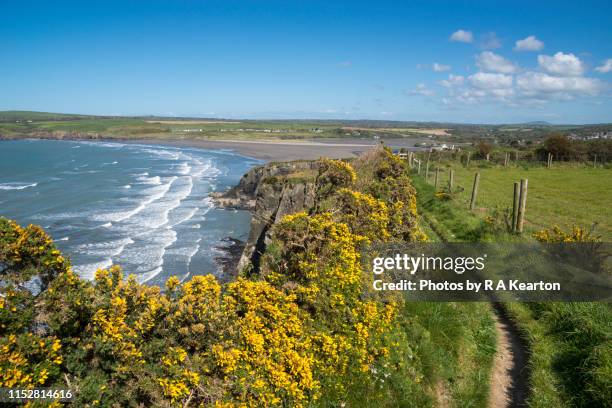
(313,119)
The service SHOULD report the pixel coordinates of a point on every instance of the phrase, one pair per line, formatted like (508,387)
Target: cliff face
(270,193)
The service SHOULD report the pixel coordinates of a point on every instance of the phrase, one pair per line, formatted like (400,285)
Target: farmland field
(569,343)
(565,195)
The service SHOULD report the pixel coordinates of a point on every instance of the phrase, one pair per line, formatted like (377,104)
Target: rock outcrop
(269,193)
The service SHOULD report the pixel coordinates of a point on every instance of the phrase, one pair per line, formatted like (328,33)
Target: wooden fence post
(550,159)
(467,164)
(427,172)
(515,205)
(436,179)
(488,155)
(474,191)
(450,180)
(506,159)
(516,155)
(522,206)
(419,169)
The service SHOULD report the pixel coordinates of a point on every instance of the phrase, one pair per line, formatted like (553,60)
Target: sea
(143,207)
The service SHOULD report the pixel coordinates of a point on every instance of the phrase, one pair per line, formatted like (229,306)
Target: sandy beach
(273,150)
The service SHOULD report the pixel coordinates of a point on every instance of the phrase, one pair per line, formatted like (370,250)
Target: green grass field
(570,363)
(25,124)
(565,195)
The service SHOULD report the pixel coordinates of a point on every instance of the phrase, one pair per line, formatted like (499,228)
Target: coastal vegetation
(302,329)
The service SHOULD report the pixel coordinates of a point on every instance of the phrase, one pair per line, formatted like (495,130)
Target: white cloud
(530,43)
(453,80)
(489,61)
(440,67)
(561,64)
(502,93)
(533,83)
(486,80)
(422,90)
(605,67)
(489,41)
(462,36)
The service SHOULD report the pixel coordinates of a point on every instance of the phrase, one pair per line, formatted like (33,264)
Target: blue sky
(427,61)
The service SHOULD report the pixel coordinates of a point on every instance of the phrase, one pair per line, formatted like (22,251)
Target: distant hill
(538,123)
(13,116)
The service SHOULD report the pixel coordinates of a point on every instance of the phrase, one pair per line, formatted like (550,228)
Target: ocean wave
(105,249)
(150,252)
(203,168)
(88,270)
(57,216)
(175,202)
(159,192)
(192,254)
(155,181)
(163,153)
(184,169)
(16,186)
(147,276)
(187,217)
(114,145)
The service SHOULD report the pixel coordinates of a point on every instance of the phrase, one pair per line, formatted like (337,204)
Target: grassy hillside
(24,116)
(570,343)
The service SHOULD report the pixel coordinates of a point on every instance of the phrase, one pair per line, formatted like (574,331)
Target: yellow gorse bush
(557,235)
(363,214)
(27,360)
(304,327)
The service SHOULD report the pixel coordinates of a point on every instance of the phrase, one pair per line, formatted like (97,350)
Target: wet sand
(273,150)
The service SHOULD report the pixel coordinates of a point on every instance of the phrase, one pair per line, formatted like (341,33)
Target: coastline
(265,150)
(95,234)
(277,151)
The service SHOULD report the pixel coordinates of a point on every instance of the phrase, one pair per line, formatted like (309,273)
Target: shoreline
(267,150)
(273,151)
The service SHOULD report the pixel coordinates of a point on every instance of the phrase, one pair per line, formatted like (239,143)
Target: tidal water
(144,207)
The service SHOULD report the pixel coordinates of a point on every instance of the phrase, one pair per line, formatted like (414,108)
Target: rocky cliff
(269,192)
